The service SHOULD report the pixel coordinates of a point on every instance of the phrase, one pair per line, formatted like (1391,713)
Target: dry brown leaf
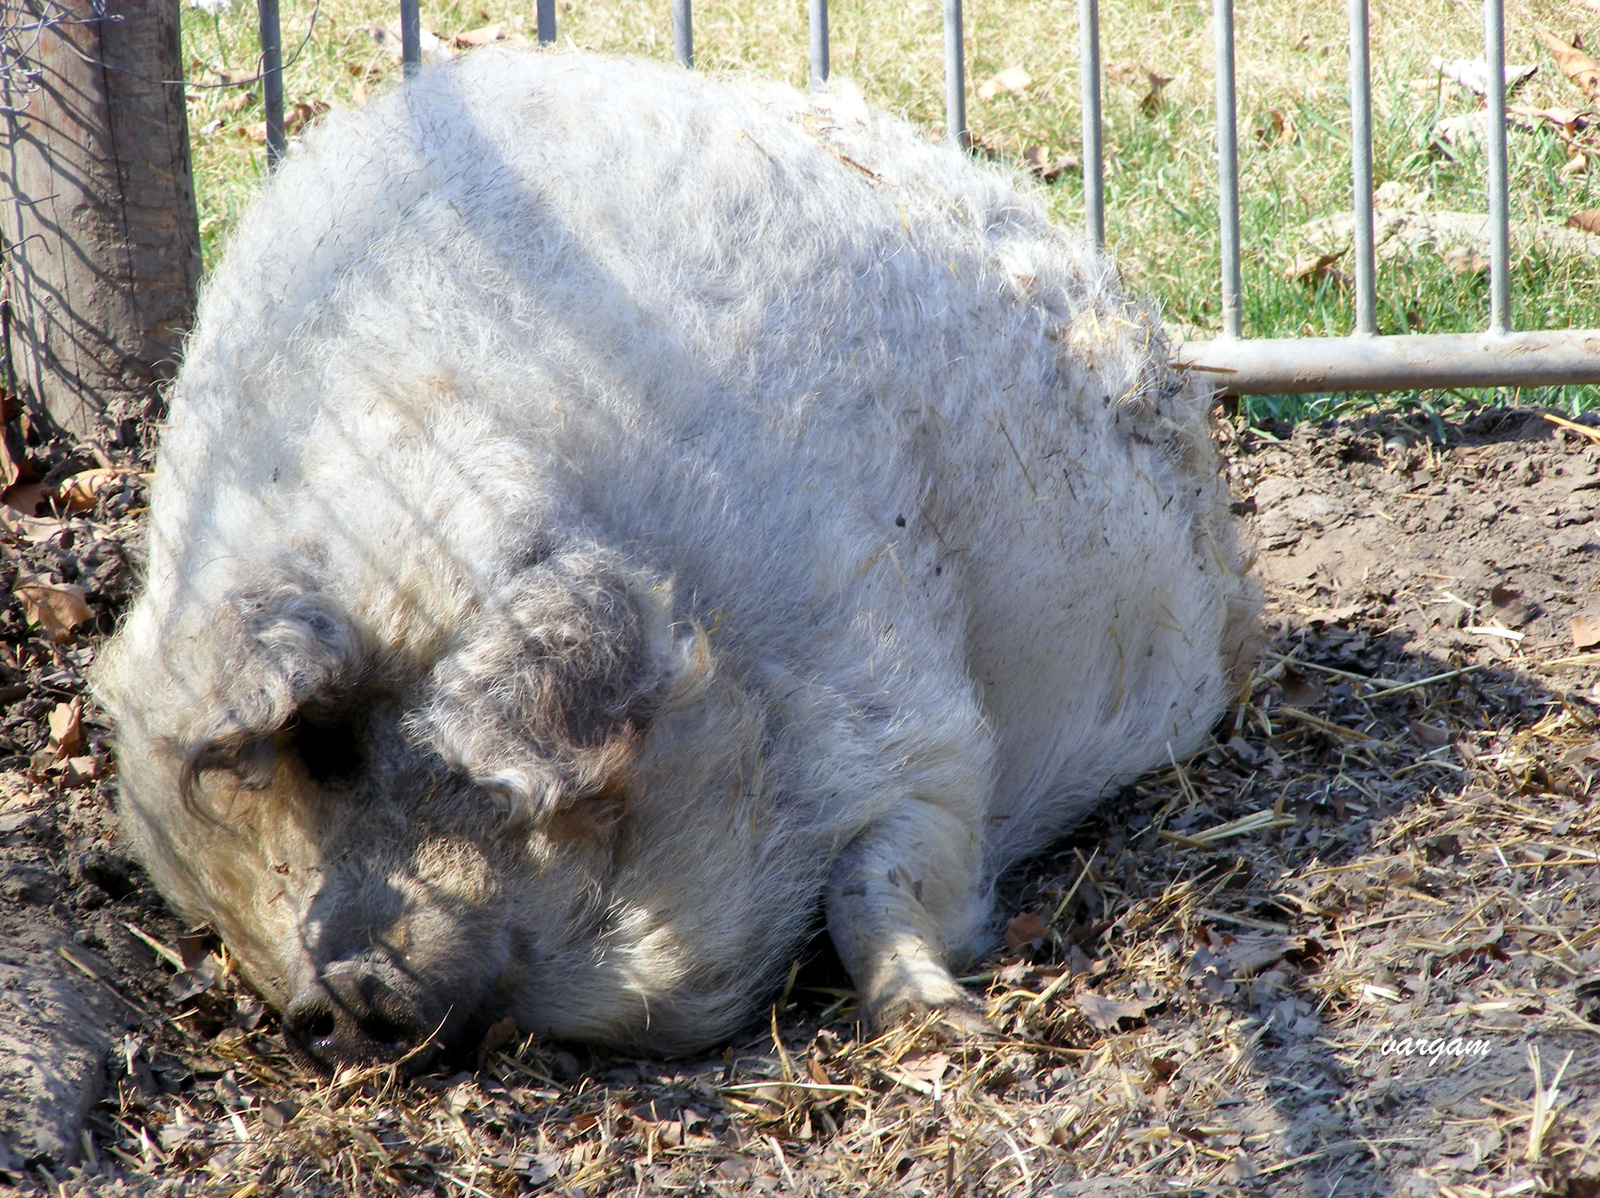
(58,608)
(10,469)
(1431,735)
(82,769)
(17,526)
(1568,121)
(234,105)
(25,497)
(1152,102)
(195,980)
(1012,79)
(1585,632)
(1473,73)
(1511,607)
(388,38)
(1024,930)
(1038,161)
(1278,126)
(1579,67)
(66,728)
(79,492)
(480,36)
(925,1069)
(1465,260)
(497,1037)
(1248,954)
(1312,270)
(1103,1013)
(1300,690)
(303,114)
(1588,220)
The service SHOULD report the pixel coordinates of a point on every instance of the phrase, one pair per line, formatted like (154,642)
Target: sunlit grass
(1294,129)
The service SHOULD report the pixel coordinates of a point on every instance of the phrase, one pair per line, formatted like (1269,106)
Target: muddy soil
(1352,948)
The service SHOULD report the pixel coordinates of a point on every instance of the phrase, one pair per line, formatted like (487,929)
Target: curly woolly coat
(610,516)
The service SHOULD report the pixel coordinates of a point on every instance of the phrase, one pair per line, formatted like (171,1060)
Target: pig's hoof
(955,1021)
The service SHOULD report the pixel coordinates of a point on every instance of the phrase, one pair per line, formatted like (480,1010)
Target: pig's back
(847,388)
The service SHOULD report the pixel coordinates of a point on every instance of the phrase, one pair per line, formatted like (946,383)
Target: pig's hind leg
(905,897)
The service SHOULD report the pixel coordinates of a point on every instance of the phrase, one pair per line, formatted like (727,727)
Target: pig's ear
(275,648)
(548,691)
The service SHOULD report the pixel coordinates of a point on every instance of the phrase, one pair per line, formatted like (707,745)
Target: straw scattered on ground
(1353,947)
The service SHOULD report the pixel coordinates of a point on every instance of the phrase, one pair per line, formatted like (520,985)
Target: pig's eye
(329,751)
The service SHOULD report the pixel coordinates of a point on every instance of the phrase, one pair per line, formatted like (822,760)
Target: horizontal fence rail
(1363,361)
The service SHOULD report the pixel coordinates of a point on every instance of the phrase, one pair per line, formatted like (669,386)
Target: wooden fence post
(97,211)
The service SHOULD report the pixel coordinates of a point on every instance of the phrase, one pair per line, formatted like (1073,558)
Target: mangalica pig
(612,520)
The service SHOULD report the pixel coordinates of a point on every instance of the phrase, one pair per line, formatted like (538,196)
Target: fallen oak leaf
(1152,102)
(1579,67)
(497,1037)
(1038,161)
(1430,735)
(66,729)
(1104,1013)
(10,467)
(1012,79)
(234,105)
(1588,220)
(17,526)
(82,769)
(1315,268)
(1473,73)
(1585,632)
(1278,126)
(1025,931)
(196,979)
(1300,690)
(303,114)
(58,608)
(1465,260)
(1568,122)
(25,497)
(929,1069)
(480,36)
(388,37)
(79,492)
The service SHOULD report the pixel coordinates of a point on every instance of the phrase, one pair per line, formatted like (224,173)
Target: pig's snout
(351,1015)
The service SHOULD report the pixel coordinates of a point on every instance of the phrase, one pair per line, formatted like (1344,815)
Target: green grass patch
(1294,130)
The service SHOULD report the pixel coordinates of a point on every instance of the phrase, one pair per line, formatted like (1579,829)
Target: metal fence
(1363,361)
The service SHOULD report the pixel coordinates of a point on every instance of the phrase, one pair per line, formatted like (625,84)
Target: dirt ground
(1351,949)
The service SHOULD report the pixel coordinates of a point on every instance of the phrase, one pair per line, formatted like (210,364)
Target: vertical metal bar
(682,33)
(272,77)
(545,15)
(1228,173)
(819,42)
(1494,42)
(1361,169)
(1094,182)
(955,77)
(410,37)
